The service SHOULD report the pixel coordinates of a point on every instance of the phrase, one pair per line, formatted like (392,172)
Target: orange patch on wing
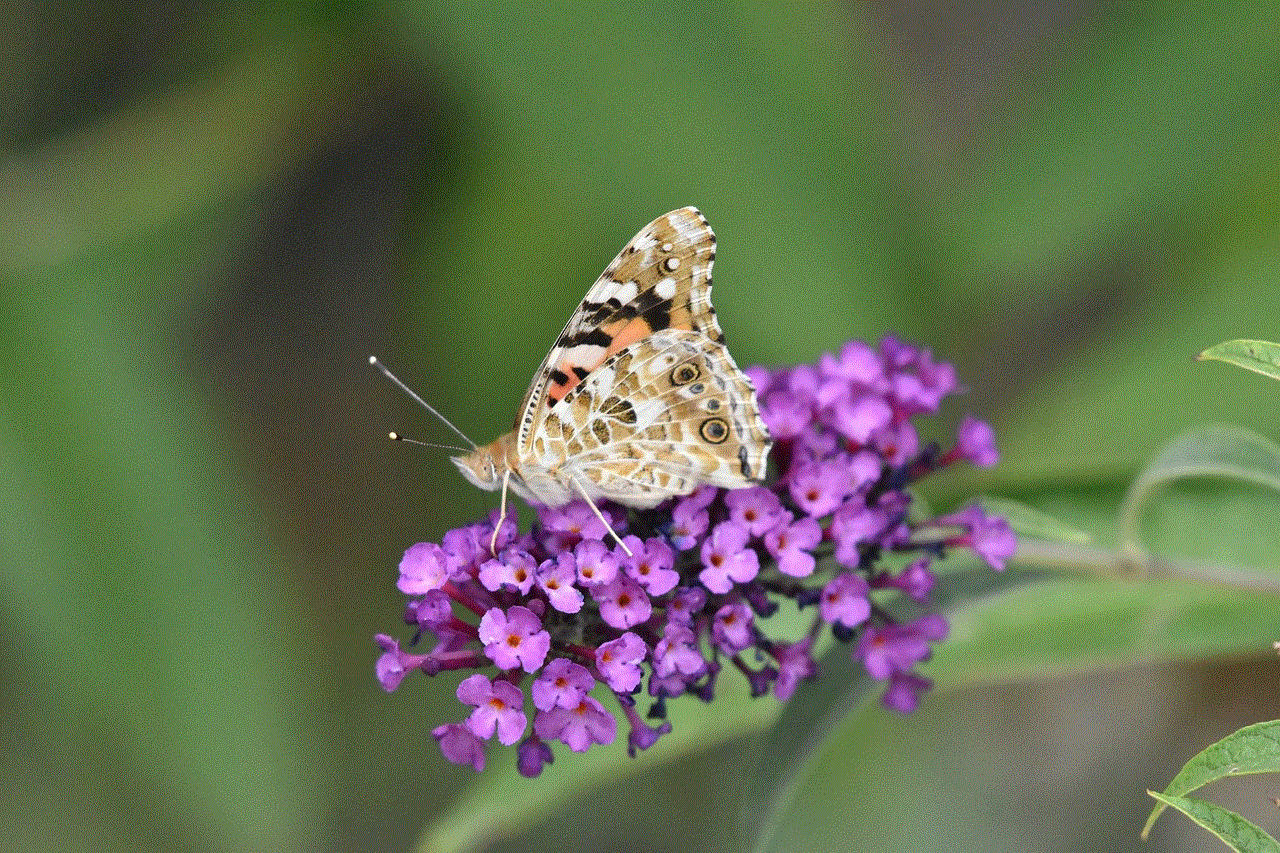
(623,334)
(557,390)
(626,333)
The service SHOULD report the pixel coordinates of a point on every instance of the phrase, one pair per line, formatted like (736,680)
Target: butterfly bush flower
(563,622)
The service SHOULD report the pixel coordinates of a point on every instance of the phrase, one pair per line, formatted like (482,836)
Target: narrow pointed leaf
(1252,749)
(1259,356)
(1234,831)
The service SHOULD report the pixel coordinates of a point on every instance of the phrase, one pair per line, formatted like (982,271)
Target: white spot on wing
(647,411)
(644,242)
(626,292)
(583,355)
(665,288)
(600,380)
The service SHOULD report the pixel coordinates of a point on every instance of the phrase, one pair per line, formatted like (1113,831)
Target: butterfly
(639,400)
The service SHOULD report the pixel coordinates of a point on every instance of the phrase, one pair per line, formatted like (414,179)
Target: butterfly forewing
(660,280)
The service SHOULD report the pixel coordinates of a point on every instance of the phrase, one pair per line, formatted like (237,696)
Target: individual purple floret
(792,541)
(514,638)
(622,603)
(620,662)
(727,559)
(651,564)
(562,684)
(569,618)
(557,578)
(459,745)
(756,509)
(690,518)
(987,536)
(844,601)
(888,649)
(498,705)
(423,568)
(577,727)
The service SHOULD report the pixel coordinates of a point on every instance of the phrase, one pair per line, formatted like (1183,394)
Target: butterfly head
(484,466)
(477,466)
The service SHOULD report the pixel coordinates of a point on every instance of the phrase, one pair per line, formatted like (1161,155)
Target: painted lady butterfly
(639,400)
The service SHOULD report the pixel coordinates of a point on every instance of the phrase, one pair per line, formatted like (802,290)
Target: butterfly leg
(600,515)
(502,514)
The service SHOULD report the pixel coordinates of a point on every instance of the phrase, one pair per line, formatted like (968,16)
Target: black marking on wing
(719,337)
(590,337)
(595,313)
(619,409)
(655,311)
(658,317)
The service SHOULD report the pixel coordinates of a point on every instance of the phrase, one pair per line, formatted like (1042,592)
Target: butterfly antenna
(421,402)
(395,436)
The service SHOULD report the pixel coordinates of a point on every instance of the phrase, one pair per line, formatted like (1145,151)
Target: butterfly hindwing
(660,280)
(659,418)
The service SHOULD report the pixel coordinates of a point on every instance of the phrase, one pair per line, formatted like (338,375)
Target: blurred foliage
(210,215)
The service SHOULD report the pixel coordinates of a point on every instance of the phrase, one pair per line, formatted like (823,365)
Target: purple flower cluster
(565,615)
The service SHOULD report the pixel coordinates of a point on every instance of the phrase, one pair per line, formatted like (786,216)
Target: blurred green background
(210,215)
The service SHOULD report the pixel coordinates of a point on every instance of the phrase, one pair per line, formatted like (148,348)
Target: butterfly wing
(660,280)
(659,418)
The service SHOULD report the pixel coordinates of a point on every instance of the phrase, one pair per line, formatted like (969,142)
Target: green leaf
(1236,832)
(1225,452)
(501,803)
(812,716)
(1073,625)
(820,707)
(1259,356)
(1252,749)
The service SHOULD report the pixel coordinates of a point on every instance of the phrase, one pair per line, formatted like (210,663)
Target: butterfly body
(639,400)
